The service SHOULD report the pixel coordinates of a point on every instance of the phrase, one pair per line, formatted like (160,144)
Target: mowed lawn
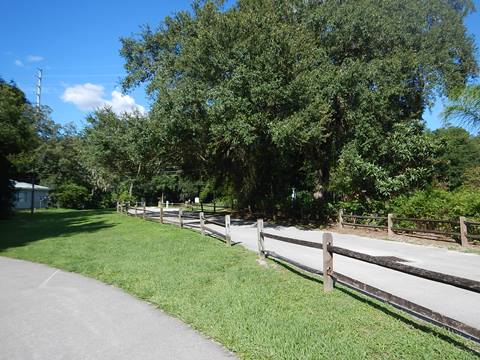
(259,312)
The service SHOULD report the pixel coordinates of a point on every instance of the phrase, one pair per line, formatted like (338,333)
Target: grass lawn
(258,312)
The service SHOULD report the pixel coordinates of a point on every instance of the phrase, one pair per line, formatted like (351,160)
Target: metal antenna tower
(39,86)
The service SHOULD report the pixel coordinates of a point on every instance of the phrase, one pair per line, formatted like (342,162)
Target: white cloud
(18,63)
(124,103)
(88,97)
(34,58)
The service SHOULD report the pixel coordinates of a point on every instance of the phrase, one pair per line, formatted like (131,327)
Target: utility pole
(39,94)
(39,87)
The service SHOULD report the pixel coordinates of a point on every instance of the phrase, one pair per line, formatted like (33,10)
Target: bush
(72,196)
(438,204)
(124,197)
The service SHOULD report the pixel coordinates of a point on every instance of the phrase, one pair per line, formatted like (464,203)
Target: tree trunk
(318,190)
(131,188)
(130,191)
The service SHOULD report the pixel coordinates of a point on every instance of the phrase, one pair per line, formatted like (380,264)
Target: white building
(23,196)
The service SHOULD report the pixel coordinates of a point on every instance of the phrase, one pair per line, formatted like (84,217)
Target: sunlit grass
(257,311)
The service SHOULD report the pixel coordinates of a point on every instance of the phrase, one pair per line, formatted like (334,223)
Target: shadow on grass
(382,308)
(24,228)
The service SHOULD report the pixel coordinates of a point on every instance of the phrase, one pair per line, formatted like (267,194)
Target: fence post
(463,231)
(340,218)
(261,240)
(228,236)
(327,262)
(161,213)
(127,206)
(202,223)
(144,210)
(180,217)
(136,205)
(390,226)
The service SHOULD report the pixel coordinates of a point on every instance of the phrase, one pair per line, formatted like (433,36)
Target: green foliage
(318,88)
(460,156)
(124,197)
(72,196)
(120,149)
(384,165)
(438,204)
(472,177)
(17,137)
(464,107)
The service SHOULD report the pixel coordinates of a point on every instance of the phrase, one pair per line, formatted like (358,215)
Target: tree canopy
(464,107)
(286,107)
(266,96)
(17,137)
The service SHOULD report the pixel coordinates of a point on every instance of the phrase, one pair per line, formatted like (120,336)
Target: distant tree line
(291,108)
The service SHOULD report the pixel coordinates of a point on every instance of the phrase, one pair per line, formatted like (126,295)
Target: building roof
(28,186)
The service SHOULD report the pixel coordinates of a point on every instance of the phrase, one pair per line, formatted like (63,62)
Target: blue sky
(77,46)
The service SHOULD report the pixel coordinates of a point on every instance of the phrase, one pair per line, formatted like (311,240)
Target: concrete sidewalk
(51,314)
(456,303)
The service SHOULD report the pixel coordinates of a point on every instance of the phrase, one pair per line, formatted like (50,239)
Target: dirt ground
(419,239)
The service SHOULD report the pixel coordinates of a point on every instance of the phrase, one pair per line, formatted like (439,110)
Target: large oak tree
(268,95)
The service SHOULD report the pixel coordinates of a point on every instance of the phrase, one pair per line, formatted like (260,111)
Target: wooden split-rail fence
(462,230)
(330,277)
(181,218)
(198,221)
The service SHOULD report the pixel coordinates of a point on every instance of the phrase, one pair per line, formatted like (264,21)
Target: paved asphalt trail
(51,314)
(456,303)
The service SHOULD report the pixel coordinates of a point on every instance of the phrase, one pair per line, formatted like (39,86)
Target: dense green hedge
(438,204)
(431,203)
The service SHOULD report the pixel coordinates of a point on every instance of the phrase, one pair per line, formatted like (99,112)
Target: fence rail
(330,276)
(181,216)
(460,230)
(198,221)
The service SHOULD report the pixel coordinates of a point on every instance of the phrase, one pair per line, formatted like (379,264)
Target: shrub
(438,204)
(72,196)
(124,196)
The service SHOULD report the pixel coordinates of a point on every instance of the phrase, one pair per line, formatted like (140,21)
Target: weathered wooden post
(228,235)
(201,206)
(127,207)
(144,210)
(136,205)
(390,226)
(327,262)
(340,218)
(463,231)
(261,239)
(161,213)
(202,223)
(180,218)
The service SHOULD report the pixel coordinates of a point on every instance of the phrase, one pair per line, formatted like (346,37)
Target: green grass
(258,312)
